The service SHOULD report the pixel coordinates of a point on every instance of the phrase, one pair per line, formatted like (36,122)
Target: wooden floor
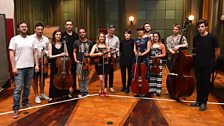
(117,109)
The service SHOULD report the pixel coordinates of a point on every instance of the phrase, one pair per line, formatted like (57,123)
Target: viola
(154,68)
(180,82)
(86,61)
(63,79)
(139,84)
(43,65)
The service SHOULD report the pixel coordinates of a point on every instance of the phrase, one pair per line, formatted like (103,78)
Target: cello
(139,84)
(63,79)
(180,83)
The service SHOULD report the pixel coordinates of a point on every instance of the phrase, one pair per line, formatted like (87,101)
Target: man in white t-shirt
(23,53)
(42,44)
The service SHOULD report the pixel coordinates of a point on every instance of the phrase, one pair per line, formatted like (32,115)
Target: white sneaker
(43,96)
(79,96)
(37,99)
(69,96)
(112,90)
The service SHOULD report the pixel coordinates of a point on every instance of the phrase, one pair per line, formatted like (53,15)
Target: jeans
(83,79)
(24,76)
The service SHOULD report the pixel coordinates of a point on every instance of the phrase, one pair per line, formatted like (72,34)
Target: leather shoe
(195,104)
(202,107)
(127,91)
(123,89)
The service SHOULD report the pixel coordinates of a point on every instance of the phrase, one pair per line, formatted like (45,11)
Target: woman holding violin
(141,49)
(157,52)
(101,54)
(55,50)
(81,50)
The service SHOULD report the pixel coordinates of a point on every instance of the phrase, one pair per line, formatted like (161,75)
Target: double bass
(139,84)
(63,79)
(180,83)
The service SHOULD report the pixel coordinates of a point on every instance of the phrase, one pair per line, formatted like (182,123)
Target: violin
(139,84)
(154,68)
(63,79)
(180,82)
(105,55)
(114,62)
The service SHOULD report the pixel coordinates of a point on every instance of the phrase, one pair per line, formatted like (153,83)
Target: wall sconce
(222,19)
(191,18)
(131,19)
(188,22)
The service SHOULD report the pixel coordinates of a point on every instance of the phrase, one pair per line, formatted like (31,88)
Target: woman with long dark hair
(55,50)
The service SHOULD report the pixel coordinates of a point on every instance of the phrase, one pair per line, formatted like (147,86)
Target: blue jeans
(83,81)
(24,76)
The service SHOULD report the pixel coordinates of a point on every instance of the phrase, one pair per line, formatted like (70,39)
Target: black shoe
(26,106)
(202,107)
(76,91)
(127,91)
(195,104)
(158,94)
(123,89)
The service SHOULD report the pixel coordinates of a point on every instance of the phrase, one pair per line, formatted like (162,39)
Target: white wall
(7,8)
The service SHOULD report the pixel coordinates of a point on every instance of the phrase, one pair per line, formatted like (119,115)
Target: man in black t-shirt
(82,48)
(71,37)
(207,51)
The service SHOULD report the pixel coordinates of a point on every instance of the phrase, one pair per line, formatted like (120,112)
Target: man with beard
(71,37)
(22,53)
(148,30)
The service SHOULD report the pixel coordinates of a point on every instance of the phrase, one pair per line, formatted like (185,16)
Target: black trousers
(203,75)
(73,71)
(111,76)
(123,69)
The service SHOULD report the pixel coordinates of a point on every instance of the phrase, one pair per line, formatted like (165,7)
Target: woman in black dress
(55,50)
(101,65)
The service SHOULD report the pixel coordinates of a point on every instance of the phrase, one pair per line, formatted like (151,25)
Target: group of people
(26,51)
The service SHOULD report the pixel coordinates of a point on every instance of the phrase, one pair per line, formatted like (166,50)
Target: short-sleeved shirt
(23,48)
(205,50)
(42,43)
(170,43)
(70,42)
(82,47)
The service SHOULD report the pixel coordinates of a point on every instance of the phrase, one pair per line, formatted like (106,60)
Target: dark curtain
(24,12)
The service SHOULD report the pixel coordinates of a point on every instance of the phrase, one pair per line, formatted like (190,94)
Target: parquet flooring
(117,109)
